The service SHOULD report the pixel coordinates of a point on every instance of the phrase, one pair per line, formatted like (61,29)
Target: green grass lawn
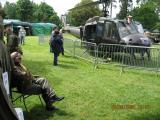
(101,94)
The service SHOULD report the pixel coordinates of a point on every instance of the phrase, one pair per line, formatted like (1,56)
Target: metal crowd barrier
(43,39)
(129,56)
(85,50)
(123,55)
(81,49)
(69,46)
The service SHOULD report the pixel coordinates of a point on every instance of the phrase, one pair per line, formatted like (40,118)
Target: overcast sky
(60,6)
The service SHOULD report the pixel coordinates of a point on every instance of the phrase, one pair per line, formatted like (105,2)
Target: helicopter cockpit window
(126,29)
(100,30)
(107,32)
(114,34)
(90,32)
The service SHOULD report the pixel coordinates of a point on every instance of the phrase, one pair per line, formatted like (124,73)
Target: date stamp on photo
(130,106)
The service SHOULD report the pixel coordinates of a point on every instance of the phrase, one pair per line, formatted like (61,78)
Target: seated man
(28,84)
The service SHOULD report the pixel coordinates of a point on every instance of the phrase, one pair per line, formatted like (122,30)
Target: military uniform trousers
(41,86)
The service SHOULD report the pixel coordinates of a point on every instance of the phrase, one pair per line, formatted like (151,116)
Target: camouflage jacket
(22,77)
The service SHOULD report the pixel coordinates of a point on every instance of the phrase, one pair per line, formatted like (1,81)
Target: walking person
(56,46)
(28,84)
(52,34)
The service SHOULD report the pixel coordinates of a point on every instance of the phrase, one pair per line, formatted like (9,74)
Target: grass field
(101,94)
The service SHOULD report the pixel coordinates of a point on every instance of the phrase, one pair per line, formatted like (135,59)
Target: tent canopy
(16,24)
(31,28)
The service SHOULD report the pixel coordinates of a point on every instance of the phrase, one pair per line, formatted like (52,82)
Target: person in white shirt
(22,34)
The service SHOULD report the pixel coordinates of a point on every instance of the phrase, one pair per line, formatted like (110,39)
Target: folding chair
(23,97)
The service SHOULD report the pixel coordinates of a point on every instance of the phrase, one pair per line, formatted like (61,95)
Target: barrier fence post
(123,55)
(158,60)
(74,48)
(95,56)
(41,39)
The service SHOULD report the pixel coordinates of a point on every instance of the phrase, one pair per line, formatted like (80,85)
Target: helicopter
(112,31)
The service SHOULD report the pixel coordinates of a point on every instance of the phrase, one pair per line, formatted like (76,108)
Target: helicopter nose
(145,41)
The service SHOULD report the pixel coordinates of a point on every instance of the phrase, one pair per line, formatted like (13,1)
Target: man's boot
(56,98)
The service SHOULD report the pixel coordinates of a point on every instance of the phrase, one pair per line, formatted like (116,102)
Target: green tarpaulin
(42,28)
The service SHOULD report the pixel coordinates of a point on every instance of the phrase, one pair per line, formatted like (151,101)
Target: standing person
(13,41)
(13,44)
(56,46)
(28,84)
(129,19)
(61,33)
(52,34)
(22,34)
(81,32)
(8,32)
(54,29)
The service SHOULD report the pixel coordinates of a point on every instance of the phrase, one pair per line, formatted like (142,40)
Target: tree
(124,8)
(146,15)
(156,2)
(55,19)
(24,10)
(79,16)
(10,10)
(141,1)
(43,12)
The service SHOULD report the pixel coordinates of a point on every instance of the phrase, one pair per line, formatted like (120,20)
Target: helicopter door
(99,32)
(110,33)
(90,32)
